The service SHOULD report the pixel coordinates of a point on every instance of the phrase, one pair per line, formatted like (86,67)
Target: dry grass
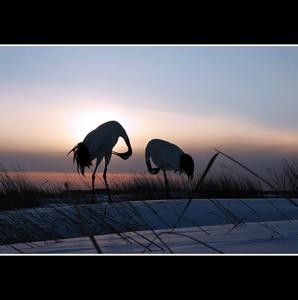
(18,192)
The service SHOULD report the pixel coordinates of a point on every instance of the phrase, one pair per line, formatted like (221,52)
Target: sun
(85,121)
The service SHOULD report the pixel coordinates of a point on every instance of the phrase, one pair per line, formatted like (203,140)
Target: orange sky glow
(236,99)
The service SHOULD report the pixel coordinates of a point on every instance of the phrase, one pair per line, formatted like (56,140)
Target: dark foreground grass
(18,192)
(146,187)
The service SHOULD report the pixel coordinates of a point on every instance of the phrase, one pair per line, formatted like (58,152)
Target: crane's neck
(126,154)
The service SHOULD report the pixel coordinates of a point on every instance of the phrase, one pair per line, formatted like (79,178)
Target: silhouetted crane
(167,156)
(98,144)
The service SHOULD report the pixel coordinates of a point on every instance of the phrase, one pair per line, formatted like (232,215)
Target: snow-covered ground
(209,226)
(250,239)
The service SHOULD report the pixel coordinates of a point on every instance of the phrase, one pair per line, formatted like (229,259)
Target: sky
(240,99)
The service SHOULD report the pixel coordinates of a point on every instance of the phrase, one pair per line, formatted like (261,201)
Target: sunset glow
(240,99)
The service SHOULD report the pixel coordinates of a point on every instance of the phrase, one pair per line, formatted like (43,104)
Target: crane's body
(98,144)
(164,154)
(168,156)
(101,140)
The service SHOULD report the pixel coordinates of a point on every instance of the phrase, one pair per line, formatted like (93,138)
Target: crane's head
(187,165)
(126,154)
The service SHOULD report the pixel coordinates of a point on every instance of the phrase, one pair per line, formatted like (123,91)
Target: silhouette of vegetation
(17,191)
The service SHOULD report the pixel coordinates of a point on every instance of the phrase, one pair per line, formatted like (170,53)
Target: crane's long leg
(166,182)
(107,161)
(93,179)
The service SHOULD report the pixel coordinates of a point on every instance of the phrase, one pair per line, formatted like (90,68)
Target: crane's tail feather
(82,157)
(186,165)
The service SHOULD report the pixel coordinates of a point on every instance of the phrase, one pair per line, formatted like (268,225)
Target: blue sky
(239,96)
